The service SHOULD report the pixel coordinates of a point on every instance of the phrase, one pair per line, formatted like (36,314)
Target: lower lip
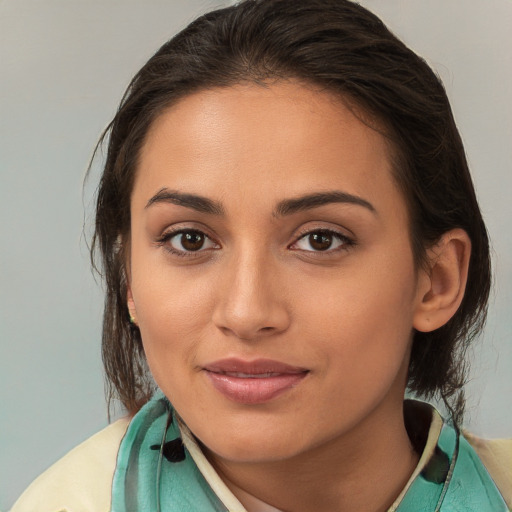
(254,390)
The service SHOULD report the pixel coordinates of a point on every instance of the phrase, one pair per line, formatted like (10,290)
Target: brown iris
(321,241)
(192,240)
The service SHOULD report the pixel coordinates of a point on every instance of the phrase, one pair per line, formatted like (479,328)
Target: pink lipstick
(253,382)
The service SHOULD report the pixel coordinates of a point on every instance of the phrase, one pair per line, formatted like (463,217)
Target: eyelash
(346,242)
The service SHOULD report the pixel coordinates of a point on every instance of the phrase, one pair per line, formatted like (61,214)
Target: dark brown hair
(341,47)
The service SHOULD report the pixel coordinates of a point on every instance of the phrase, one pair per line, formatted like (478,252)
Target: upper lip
(255,367)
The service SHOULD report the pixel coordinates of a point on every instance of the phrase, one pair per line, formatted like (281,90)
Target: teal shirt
(155,472)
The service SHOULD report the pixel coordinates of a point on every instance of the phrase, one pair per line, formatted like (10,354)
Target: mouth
(253,382)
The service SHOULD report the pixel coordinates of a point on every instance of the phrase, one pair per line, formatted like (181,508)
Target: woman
(290,238)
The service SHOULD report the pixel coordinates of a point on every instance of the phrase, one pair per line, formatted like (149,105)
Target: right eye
(183,242)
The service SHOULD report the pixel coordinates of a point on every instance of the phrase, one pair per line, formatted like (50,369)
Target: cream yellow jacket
(81,481)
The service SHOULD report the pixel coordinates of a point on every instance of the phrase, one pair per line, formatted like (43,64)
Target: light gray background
(64,65)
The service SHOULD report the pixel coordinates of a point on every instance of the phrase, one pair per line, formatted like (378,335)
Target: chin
(253,445)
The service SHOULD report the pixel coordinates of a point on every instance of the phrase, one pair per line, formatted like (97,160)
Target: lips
(253,382)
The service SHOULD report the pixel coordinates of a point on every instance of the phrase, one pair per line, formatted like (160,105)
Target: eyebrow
(193,201)
(315,200)
(286,207)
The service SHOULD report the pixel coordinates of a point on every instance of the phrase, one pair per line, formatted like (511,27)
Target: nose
(251,303)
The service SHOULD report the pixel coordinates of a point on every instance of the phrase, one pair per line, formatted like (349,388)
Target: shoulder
(496,455)
(81,480)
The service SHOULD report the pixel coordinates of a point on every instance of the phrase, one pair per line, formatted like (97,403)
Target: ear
(131,305)
(443,282)
(128,276)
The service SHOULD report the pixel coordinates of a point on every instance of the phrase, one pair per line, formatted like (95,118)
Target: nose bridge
(251,303)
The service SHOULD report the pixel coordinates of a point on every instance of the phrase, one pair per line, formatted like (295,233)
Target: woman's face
(271,271)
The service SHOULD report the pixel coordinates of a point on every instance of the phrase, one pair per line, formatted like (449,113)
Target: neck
(364,470)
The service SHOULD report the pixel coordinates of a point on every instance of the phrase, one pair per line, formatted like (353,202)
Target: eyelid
(184,227)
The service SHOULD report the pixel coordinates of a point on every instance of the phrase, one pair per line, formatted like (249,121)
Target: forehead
(249,143)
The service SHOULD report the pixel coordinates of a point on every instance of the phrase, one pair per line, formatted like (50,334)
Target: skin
(257,288)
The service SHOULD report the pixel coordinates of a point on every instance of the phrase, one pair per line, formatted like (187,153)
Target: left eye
(189,241)
(321,241)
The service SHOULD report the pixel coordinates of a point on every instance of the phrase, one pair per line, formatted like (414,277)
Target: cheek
(362,321)
(165,294)
(173,312)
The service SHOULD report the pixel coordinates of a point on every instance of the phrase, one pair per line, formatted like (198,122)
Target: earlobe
(442,285)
